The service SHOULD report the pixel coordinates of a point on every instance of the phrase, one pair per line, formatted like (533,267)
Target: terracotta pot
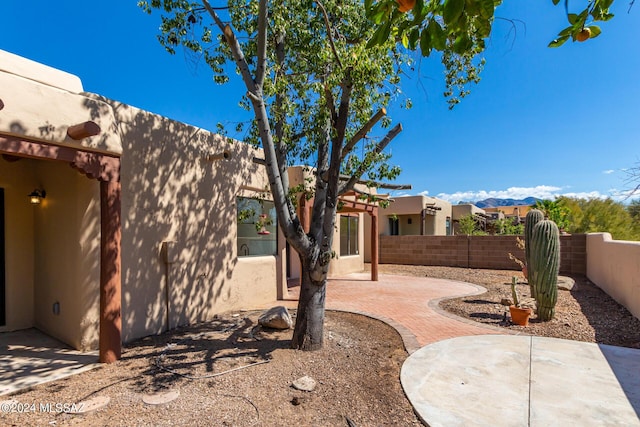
(520,316)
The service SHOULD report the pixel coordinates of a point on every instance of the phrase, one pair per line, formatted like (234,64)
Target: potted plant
(519,315)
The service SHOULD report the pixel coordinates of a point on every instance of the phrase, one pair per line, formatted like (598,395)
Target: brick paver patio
(407,303)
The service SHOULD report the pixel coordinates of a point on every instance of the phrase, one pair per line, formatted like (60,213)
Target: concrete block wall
(474,251)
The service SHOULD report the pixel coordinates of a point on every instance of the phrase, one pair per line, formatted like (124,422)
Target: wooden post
(374,245)
(110,272)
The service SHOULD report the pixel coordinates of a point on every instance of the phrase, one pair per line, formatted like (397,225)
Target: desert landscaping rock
(565,283)
(160,398)
(305,383)
(276,318)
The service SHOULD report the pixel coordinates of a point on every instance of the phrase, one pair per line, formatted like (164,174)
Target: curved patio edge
(409,340)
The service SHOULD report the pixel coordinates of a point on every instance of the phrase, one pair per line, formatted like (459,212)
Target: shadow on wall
(172,192)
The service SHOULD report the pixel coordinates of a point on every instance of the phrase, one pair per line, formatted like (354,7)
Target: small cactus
(544,267)
(533,217)
(514,291)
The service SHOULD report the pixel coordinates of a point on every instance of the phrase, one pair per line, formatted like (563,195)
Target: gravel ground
(357,374)
(585,313)
(357,371)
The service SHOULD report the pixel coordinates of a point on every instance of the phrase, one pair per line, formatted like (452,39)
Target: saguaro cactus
(533,217)
(544,267)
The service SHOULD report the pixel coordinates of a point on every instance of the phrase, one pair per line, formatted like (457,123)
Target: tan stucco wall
(410,207)
(18,180)
(67,255)
(614,266)
(458,211)
(170,192)
(44,111)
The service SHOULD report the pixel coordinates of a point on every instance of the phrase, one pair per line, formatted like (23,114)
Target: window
(257,227)
(348,235)
(394,226)
(448,225)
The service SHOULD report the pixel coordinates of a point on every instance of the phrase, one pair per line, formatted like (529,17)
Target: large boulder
(276,318)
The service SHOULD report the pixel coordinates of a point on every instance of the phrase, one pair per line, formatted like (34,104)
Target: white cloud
(540,191)
(608,172)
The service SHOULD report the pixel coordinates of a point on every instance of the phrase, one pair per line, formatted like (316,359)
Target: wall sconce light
(36,196)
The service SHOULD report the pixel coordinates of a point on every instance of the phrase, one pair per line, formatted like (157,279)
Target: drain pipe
(168,257)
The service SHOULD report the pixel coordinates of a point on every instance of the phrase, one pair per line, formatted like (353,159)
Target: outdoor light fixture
(36,196)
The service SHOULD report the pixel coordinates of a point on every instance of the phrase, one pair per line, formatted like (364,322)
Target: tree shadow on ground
(202,351)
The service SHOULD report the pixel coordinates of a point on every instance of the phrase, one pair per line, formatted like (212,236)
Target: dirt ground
(357,371)
(357,374)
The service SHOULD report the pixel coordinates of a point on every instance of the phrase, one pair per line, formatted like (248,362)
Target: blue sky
(542,122)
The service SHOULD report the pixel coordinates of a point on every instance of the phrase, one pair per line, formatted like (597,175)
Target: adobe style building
(137,224)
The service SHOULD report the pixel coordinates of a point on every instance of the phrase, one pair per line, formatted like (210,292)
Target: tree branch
(363,166)
(362,132)
(236,50)
(328,26)
(287,217)
(263,14)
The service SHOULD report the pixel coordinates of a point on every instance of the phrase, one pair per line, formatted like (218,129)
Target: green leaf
(438,36)
(452,11)
(462,44)
(595,31)
(425,43)
(487,9)
(414,36)
(572,17)
(555,2)
(381,35)
(566,32)
(607,16)
(559,41)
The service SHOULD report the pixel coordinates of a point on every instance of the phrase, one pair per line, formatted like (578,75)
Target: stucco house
(465,209)
(416,215)
(137,224)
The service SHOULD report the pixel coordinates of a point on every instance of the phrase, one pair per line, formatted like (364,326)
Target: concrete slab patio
(30,357)
(499,380)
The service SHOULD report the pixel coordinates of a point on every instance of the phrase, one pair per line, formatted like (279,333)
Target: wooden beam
(362,132)
(83,130)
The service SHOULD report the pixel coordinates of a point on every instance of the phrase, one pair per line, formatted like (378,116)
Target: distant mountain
(494,203)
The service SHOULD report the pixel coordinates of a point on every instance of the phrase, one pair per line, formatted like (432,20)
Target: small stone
(506,302)
(305,383)
(276,318)
(296,401)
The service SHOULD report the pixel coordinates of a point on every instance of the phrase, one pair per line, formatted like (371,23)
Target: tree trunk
(308,332)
